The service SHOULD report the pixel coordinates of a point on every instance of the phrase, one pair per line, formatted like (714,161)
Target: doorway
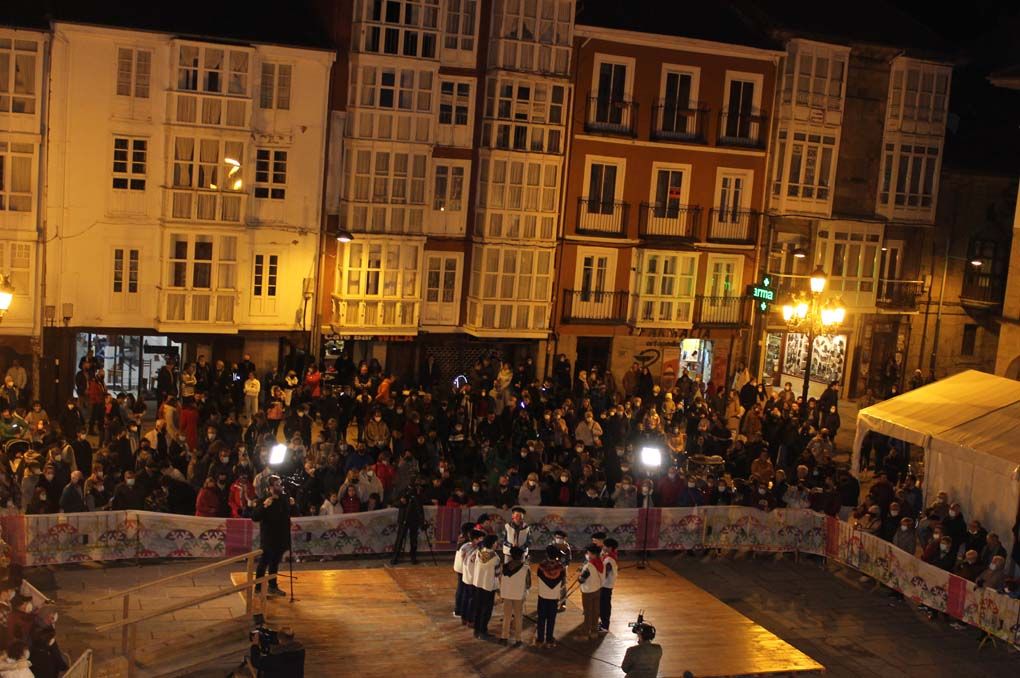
(593,351)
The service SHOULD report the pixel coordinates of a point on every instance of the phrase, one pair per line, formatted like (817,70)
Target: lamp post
(6,295)
(811,315)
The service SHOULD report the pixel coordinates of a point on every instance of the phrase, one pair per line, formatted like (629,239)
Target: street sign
(763,294)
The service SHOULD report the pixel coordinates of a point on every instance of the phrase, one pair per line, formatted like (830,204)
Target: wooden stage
(395,622)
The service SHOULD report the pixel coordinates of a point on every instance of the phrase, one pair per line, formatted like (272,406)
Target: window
(394,184)
(201,278)
(601,188)
(402,89)
(969,339)
(274,86)
(213,168)
(134,70)
(850,252)
(264,276)
(919,93)
(125,271)
(510,287)
(675,112)
(17,75)
(814,78)
(270,174)
(512,191)
(16,262)
(454,102)
(402,28)
(666,284)
(449,188)
(740,116)
(669,191)
(460,24)
(15,177)
(442,289)
(810,165)
(731,196)
(213,70)
(129,162)
(908,176)
(523,115)
(381,270)
(612,88)
(532,35)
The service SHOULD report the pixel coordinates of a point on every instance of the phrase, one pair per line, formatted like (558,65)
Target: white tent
(969,427)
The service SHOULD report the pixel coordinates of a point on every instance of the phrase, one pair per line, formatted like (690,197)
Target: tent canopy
(969,427)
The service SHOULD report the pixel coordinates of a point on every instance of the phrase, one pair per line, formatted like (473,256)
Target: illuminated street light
(818,280)
(813,316)
(6,295)
(344,235)
(975,262)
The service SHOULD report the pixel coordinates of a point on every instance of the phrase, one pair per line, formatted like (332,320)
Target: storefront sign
(763,294)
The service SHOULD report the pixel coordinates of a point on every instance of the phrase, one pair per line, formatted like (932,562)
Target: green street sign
(762,294)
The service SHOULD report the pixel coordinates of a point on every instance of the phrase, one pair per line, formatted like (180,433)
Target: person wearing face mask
(530,493)
(955,526)
(377,432)
(562,547)
(690,494)
(46,658)
(207,505)
(590,580)
(563,490)
(127,496)
(906,536)
(625,495)
(504,495)
(587,430)
(970,568)
(72,499)
(516,532)
(891,522)
(993,576)
(368,484)
(476,494)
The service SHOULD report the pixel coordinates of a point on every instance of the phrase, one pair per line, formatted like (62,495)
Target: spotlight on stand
(651,459)
(278,454)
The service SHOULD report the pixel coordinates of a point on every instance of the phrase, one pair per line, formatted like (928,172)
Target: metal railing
(741,129)
(669,221)
(592,307)
(611,116)
(721,311)
(982,288)
(82,666)
(733,226)
(597,217)
(901,294)
(674,123)
(377,314)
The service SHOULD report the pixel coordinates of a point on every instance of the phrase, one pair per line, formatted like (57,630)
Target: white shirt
(594,581)
(515,586)
(469,563)
(486,566)
(609,576)
(327,509)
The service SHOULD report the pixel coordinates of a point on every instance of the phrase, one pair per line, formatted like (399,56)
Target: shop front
(786,355)
(708,356)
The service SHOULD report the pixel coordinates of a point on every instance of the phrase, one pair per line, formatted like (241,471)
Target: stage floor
(389,622)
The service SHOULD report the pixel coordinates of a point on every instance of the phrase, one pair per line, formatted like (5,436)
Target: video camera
(642,628)
(262,635)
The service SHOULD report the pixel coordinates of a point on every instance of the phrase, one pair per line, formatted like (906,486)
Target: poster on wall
(828,356)
(773,349)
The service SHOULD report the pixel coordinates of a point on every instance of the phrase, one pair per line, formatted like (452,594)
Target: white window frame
(20,95)
(444,201)
(935,114)
(134,170)
(611,259)
(621,173)
(546,50)
(22,155)
(792,93)
(465,37)
(16,263)
(542,120)
(135,65)
(424,23)
(271,173)
(440,312)
(455,101)
(222,297)
(521,210)
(372,282)
(507,296)
(615,59)
(889,176)
(384,200)
(203,70)
(745,194)
(275,80)
(265,278)
(685,185)
(744,76)
(653,307)
(786,141)
(125,272)
(681,69)
(857,290)
(738,273)
(220,196)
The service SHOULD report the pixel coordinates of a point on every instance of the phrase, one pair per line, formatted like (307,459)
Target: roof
(715,21)
(872,22)
(298,26)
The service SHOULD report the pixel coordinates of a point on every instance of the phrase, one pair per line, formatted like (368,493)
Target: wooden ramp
(398,622)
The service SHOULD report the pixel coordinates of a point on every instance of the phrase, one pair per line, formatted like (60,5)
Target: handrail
(198,570)
(82,666)
(120,623)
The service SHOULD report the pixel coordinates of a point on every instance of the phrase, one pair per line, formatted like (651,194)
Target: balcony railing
(381,315)
(679,222)
(733,226)
(209,110)
(786,285)
(595,308)
(741,129)
(982,288)
(596,217)
(900,294)
(660,310)
(193,205)
(673,123)
(721,311)
(611,116)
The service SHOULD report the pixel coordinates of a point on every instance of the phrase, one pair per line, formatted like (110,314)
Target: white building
(184,193)
(23,80)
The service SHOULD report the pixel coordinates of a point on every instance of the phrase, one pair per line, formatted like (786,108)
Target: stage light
(651,457)
(278,454)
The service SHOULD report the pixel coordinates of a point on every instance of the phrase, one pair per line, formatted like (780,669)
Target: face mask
(592,496)
(563,479)
(399,411)
(211,436)
(476,488)
(993,566)
(944,548)
(625,468)
(558,540)
(937,535)
(625,486)
(953,514)
(532,484)
(721,488)
(378,418)
(904,527)
(130,482)
(370,473)
(49,476)
(225,460)
(972,531)
(894,513)
(42,497)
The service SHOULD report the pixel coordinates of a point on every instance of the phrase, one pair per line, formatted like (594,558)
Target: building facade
(854,184)
(184,193)
(24,76)
(666,184)
(448,176)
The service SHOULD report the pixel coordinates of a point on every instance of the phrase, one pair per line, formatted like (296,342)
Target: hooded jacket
(487,567)
(516,580)
(551,576)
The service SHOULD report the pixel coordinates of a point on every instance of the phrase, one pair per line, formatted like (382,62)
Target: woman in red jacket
(241,491)
(208,503)
(350,503)
(313,383)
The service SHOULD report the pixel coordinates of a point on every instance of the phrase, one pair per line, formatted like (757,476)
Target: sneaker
(550,644)
(276,591)
(603,629)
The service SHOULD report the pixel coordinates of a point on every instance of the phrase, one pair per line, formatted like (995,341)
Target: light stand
(651,458)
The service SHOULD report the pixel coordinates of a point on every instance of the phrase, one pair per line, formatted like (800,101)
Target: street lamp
(6,295)
(810,314)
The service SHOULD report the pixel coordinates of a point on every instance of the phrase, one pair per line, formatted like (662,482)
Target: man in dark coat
(749,394)
(410,518)
(273,516)
(829,398)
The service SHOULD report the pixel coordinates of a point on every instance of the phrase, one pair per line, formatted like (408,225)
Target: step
(186,653)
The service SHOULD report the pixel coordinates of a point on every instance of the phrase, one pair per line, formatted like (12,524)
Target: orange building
(665,190)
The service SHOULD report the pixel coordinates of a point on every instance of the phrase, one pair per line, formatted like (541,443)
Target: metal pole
(938,315)
(807,367)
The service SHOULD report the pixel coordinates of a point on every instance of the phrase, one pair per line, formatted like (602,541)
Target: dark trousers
(483,610)
(605,607)
(406,531)
(546,619)
(269,560)
(458,599)
(467,606)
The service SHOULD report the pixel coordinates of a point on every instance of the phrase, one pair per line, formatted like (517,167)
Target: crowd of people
(28,634)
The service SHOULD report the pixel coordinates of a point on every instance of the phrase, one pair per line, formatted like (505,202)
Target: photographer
(642,660)
(273,516)
(410,517)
